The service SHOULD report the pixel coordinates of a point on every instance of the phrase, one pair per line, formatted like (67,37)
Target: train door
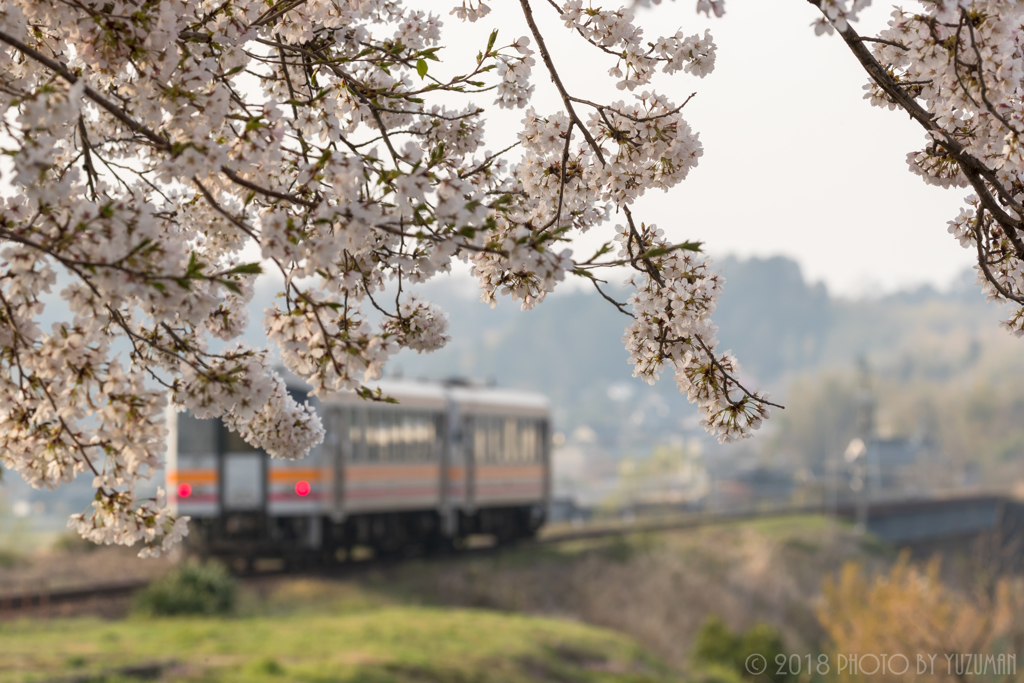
(244,483)
(243,479)
(341,425)
(469,464)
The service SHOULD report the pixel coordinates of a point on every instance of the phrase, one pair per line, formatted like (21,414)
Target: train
(447,462)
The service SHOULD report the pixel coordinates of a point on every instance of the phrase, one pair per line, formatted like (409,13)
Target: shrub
(10,558)
(268,667)
(765,640)
(192,588)
(715,643)
(718,646)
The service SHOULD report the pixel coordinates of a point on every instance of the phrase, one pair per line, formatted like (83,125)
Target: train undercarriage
(246,540)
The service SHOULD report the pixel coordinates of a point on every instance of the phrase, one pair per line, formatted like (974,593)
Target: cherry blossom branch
(249,185)
(984,264)
(977,173)
(556,79)
(981,75)
(730,378)
(619,306)
(61,70)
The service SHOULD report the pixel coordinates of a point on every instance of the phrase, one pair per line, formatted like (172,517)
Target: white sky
(796,162)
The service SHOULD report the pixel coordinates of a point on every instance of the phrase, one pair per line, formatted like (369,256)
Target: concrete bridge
(947,523)
(950,524)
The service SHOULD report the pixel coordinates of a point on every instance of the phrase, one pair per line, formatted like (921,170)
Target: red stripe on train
(292,497)
(195,499)
(532,486)
(392,491)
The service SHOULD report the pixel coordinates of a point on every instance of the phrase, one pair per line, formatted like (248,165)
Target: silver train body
(446,462)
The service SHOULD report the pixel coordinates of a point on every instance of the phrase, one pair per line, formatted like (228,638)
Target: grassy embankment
(411,622)
(396,644)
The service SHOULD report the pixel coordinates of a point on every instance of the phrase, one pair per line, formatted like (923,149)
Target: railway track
(43,601)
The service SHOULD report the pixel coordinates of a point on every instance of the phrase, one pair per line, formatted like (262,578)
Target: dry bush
(911,611)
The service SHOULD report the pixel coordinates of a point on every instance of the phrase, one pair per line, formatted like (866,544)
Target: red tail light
(184,490)
(302,488)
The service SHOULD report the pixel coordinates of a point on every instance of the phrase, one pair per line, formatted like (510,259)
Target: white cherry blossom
(154,144)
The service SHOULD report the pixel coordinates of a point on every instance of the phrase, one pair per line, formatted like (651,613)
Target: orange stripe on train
(192,476)
(288,475)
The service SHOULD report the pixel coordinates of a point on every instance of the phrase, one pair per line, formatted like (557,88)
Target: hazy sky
(796,162)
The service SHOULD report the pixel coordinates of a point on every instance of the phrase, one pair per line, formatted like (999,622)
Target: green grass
(399,644)
(787,526)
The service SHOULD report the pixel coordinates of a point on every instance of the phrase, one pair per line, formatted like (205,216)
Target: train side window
(500,439)
(510,439)
(475,428)
(531,436)
(409,435)
(372,447)
(402,436)
(477,437)
(399,452)
(412,436)
(375,437)
(481,441)
(526,441)
(395,450)
(355,435)
(377,428)
(494,440)
(420,436)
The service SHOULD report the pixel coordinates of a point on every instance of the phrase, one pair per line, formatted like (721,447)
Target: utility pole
(865,432)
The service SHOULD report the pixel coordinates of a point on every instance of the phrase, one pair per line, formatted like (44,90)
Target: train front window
(195,435)
(234,443)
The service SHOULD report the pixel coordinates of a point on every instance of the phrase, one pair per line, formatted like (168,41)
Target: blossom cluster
(673,304)
(958,68)
(155,144)
(614,32)
(836,14)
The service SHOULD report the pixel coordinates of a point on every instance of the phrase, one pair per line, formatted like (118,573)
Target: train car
(447,461)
